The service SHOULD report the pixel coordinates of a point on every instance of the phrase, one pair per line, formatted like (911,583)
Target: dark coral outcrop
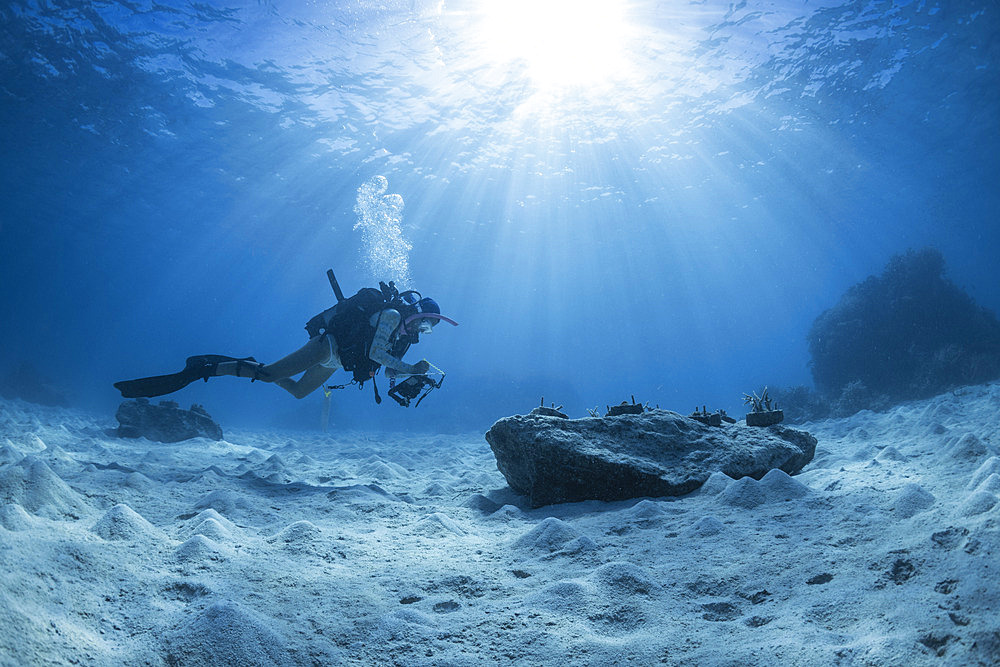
(908,333)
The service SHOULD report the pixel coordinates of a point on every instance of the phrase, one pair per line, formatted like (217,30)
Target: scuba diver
(360,334)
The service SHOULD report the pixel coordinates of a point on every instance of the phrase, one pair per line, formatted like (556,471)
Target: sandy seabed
(300,549)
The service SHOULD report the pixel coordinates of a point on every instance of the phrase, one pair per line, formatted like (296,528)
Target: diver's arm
(388,321)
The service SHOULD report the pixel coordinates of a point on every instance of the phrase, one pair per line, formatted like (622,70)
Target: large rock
(165,422)
(659,453)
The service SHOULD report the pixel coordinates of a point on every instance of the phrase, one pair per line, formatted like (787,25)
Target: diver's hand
(421,367)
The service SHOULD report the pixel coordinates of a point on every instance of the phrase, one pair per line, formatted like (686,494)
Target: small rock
(165,422)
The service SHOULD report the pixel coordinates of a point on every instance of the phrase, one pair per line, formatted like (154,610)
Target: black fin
(196,368)
(157,385)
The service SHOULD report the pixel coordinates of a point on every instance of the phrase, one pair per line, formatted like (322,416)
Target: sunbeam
(562,43)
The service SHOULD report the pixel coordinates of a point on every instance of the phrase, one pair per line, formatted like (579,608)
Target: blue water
(660,208)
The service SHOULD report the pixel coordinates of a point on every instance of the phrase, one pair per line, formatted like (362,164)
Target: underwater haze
(652,198)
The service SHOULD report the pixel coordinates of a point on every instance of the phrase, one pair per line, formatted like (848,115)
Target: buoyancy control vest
(349,322)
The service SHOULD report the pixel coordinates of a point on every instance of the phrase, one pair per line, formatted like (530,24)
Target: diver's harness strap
(368,348)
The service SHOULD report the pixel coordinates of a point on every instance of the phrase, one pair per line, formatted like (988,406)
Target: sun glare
(562,43)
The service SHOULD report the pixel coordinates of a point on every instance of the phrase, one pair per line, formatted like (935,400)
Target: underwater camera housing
(410,388)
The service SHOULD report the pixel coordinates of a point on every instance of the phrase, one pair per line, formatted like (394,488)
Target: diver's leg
(308,383)
(315,352)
